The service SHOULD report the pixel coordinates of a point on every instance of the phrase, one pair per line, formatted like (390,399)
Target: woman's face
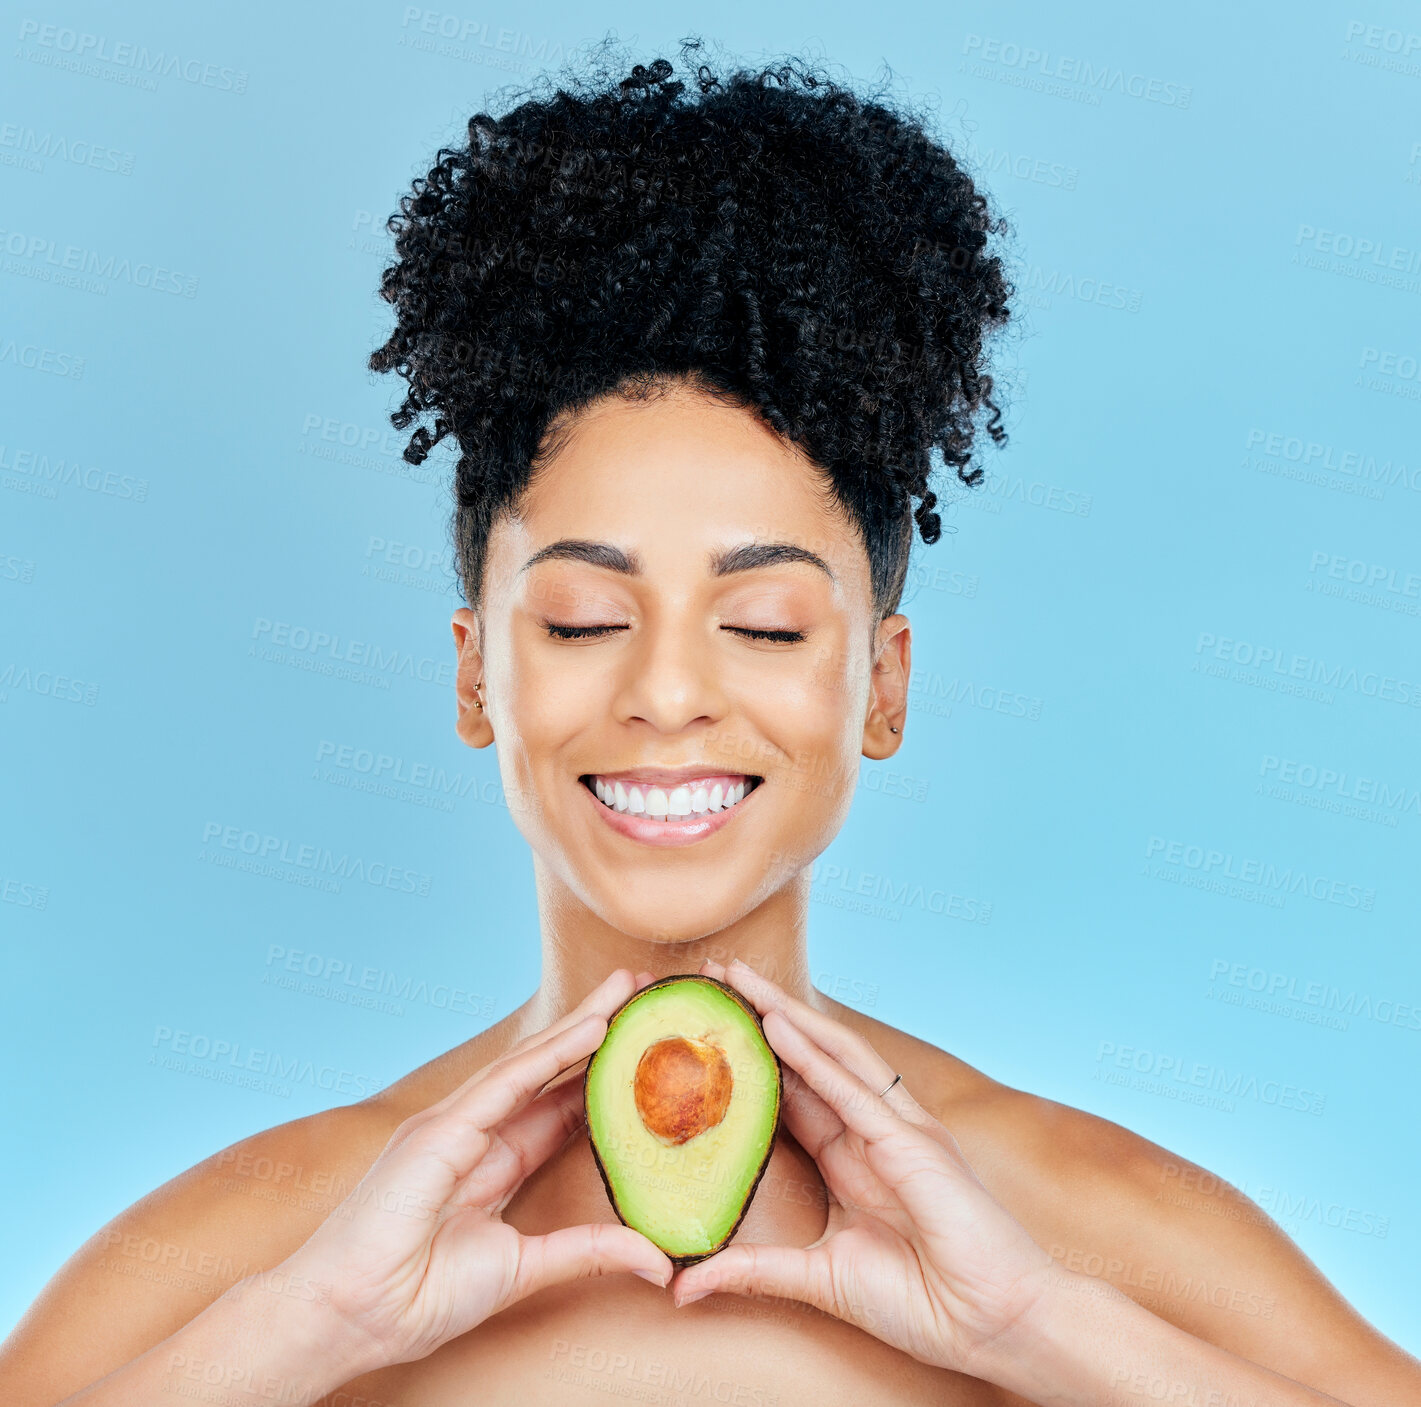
(619,649)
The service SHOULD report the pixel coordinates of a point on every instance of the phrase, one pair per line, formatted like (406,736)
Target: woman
(696,341)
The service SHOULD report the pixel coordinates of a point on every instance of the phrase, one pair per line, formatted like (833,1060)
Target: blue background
(195,457)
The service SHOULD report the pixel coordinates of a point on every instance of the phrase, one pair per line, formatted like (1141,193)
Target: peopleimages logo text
(1156,1065)
(327,646)
(1277,660)
(266,852)
(1099,77)
(1222,864)
(1398,797)
(1282,986)
(1276,446)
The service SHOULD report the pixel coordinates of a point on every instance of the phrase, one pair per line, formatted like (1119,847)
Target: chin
(654,923)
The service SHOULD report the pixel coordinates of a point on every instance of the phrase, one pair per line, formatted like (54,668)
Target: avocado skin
(679,1262)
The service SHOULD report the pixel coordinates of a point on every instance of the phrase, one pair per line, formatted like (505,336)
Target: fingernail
(651,1278)
(692,1298)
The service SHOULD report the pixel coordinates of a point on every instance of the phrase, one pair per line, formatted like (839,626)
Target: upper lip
(673,776)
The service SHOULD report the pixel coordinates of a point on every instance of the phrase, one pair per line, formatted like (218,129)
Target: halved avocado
(683,1105)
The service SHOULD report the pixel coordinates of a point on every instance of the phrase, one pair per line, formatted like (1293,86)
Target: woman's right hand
(417,1254)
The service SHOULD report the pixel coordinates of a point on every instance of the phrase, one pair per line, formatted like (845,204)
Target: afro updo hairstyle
(767,237)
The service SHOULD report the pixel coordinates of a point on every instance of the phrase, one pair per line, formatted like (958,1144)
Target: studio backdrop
(1149,847)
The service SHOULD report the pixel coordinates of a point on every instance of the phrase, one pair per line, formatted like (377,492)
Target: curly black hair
(767,236)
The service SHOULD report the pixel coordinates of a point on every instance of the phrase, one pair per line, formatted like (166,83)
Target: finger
(434,1154)
(805,1111)
(821,1133)
(911,1163)
(812,1122)
(521,1144)
(514,1082)
(840,1157)
(580,1252)
(786,1272)
(860,1108)
(602,1000)
(848,1047)
(898,1096)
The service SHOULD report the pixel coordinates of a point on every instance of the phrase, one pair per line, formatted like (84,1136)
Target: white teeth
(661,803)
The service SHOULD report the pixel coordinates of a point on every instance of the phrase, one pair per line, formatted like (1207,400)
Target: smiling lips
(668,806)
(660,798)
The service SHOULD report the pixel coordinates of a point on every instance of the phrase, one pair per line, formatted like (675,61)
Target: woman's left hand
(917,1252)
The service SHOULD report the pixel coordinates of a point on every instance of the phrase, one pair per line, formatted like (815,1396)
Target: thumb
(579,1252)
(783,1272)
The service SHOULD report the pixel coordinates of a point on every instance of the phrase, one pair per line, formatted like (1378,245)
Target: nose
(670,678)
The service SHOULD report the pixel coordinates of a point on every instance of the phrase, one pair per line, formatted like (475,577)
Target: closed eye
(782,637)
(579,632)
(584,632)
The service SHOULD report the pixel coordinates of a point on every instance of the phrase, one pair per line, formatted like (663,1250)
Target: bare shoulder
(1193,1249)
(163,1260)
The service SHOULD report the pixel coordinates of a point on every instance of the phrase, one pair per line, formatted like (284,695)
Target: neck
(579,949)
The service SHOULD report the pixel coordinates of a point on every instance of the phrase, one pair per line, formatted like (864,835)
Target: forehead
(676,479)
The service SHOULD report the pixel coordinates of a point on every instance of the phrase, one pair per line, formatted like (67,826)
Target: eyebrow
(746,557)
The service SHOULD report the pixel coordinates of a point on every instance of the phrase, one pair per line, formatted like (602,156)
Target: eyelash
(582,632)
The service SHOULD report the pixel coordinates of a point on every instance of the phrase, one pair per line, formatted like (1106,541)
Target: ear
(470,686)
(888,694)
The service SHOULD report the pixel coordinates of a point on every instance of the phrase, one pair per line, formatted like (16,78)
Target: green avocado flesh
(683,1103)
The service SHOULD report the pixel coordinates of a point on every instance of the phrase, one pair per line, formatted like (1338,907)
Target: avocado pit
(682,1088)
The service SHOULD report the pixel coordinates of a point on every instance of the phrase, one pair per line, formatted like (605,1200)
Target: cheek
(541,710)
(812,725)
(832,689)
(547,711)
